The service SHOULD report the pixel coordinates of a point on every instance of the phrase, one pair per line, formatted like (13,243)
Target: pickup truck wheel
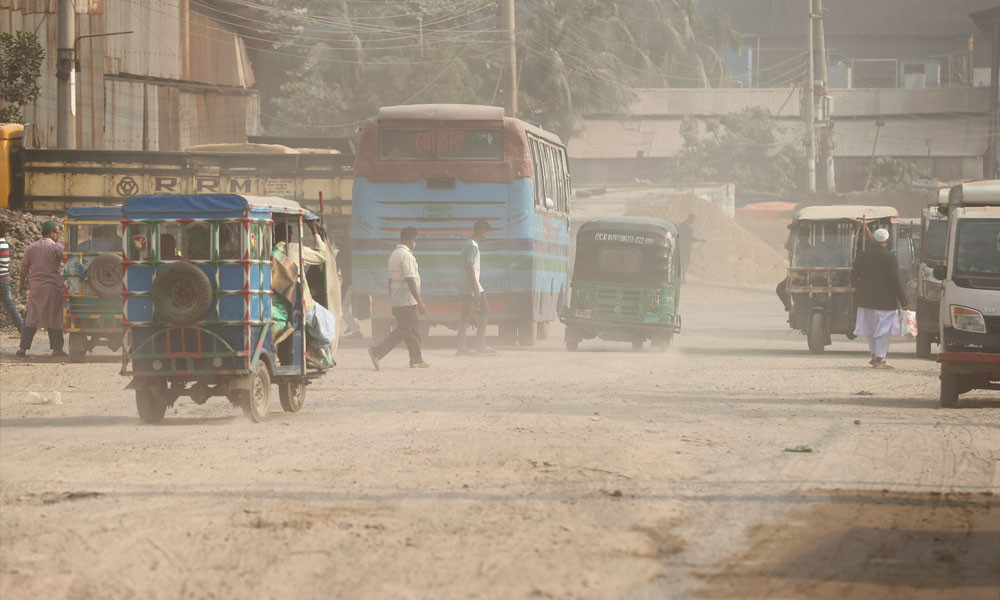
(257,403)
(950,388)
(292,396)
(923,344)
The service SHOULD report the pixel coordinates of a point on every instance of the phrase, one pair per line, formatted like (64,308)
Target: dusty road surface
(533,474)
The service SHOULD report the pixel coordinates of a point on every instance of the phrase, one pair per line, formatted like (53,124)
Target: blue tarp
(95,213)
(220,206)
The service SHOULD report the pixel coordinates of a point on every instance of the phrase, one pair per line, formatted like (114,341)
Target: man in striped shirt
(5,298)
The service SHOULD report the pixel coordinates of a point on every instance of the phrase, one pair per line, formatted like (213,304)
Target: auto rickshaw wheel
(151,401)
(292,395)
(816,334)
(181,293)
(104,275)
(950,388)
(923,345)
(257,403)
(77,347)
(526,333)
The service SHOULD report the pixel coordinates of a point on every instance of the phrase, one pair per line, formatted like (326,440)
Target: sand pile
(773,233)
(22,229)
(731,254)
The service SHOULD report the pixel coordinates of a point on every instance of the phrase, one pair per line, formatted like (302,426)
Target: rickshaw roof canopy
(216,205)
(845,212)
(112,214)
(646,225)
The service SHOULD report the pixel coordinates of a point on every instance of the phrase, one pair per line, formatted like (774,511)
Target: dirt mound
(730,254)
(773,233)
(22,229)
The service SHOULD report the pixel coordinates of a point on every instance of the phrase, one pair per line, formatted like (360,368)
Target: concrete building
(944,131)
(886,43)
(184,76)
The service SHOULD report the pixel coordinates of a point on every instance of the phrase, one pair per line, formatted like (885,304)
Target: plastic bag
(908,323)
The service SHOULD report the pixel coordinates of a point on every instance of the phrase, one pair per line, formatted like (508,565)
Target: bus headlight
(931,290)
(967,319)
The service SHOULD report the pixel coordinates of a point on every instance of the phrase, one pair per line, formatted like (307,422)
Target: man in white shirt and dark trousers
(474,304)
(404,291)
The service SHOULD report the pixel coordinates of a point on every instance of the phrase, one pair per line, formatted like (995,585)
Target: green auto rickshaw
(626,283)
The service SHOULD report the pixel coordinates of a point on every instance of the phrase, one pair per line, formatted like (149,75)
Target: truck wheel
(77,347)
(151,401)
(662,342)
(508,334)
(949,388)
(292,396)
(923,345)
(257,403)
(526,333)
(104,275)
(181,293)
(816,333)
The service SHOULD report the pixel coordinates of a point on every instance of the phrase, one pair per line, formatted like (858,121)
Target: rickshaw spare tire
(181,293)
(104,275)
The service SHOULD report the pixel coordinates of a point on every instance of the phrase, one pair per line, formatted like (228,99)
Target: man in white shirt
(404,291)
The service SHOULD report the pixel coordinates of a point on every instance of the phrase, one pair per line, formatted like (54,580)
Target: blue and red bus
(439,168)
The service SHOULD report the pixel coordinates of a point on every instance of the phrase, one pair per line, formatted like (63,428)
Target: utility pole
(810,110)
(826,131)
(66,76)
(990,164)
(510,69)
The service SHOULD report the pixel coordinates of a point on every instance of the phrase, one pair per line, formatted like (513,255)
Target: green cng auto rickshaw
(92,304)
(626,283)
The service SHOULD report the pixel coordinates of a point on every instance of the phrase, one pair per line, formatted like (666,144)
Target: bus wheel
(151,401)
(949,388)
(816,335)
(292,396)
(380,330)
(637,345)
(526,333)
(572,345)
(662,342)
(77,347)
(543,330)
(923,345)
(508,334)
(256,404)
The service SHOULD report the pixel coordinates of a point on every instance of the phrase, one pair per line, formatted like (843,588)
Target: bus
(441,167)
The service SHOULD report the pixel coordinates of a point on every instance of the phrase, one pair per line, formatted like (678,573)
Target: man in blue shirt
(474,304)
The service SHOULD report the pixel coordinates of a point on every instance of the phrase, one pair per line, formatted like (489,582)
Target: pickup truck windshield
(977,248)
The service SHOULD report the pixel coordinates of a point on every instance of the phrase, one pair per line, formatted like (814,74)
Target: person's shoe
(371,353)
(420,365)
(485,351)
(357,335)
(21,352)
(59,353)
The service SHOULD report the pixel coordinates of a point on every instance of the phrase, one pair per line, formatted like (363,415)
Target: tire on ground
(104,275)
(181,293)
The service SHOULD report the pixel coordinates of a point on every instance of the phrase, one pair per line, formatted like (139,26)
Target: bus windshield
(977,249)
(441,144)
(936,248)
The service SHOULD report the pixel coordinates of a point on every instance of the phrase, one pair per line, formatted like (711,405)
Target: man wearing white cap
(878,293)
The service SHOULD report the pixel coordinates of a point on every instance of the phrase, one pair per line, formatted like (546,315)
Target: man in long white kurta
(41,270)
(878,293)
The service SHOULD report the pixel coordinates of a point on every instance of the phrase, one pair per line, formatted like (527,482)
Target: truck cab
(970,292)
(933,252)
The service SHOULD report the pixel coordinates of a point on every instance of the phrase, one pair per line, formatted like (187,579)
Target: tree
(742,147)
(20,67)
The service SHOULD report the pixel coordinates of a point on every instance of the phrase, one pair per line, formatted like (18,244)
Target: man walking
(5,297)
(685,243)
(41,270)
(878,293)
(404,291)
(474,304)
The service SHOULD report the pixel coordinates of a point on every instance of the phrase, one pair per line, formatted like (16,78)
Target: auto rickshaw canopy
(845,212)
(216,206)
(628,250)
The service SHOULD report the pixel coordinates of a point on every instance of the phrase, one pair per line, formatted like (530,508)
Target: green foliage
(338,61)
(889,173)
(20,67)
(741,147)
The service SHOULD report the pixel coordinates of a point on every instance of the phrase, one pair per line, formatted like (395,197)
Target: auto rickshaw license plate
(583,313)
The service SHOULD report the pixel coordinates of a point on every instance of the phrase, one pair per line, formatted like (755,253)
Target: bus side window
(536,164)
(550,178)
(560,179)
(564,179)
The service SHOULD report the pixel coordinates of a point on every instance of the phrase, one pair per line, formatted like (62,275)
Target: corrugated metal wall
(152,68)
